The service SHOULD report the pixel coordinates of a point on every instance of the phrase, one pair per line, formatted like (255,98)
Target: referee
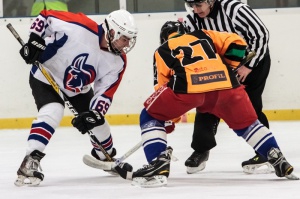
(235,17)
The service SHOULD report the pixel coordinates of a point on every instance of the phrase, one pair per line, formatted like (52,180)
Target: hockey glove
(87,121)
(31,50)
(124,170)
(169,126)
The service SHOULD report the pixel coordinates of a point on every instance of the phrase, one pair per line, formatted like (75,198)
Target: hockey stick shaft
(126,155)
(16,35)
(104,165)
(245,60)
(59,92)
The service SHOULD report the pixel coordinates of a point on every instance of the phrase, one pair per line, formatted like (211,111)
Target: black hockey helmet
(170,27)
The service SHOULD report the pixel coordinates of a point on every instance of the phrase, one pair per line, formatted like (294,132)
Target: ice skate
(156,173)
(257,165)
(280,164)
(28,173)
(196,162)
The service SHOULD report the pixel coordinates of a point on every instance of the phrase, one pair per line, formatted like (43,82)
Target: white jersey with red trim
(74,58)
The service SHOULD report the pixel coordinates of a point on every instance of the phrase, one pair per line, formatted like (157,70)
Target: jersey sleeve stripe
(75,18)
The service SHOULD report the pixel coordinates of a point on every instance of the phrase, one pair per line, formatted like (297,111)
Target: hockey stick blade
(97,164)
(104,165)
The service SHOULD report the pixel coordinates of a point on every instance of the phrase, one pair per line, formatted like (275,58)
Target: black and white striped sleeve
(254,31)
(190,23)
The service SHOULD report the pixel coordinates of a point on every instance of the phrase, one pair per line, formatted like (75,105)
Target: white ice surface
(66,177)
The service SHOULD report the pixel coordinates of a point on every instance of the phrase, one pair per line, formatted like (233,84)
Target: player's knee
(51,114)
(147,120)
(145,117)
(245,131)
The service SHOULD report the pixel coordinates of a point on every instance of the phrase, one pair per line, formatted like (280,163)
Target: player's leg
(159,107)
(255,82)
(158,155)
(81,103)
(235,108)
(263,141)
(50,112)
(205,128)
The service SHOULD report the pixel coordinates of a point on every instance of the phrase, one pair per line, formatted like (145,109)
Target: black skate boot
(28,173)
(196,162)
(281,166)
(257,164)
(156,173)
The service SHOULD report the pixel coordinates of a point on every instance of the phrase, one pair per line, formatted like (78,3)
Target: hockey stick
(245,60)
(59,92)
(98,164)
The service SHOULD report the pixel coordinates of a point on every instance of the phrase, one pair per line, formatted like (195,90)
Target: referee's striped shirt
(237,17)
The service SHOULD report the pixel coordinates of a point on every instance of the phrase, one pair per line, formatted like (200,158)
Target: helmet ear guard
(171,27)
(123,24)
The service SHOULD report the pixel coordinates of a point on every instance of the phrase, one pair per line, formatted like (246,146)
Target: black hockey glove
(87,121)
(31,50)
(124,170)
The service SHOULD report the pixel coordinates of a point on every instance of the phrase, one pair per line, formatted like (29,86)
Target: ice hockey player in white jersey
(77,52)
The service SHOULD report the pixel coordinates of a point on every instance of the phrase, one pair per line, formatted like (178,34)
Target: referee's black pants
(205,125)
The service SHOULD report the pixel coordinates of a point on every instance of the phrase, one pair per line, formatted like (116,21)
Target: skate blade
(97,164)
(150,182)
(264,168)
(27,181)
(192,170)
(292,177)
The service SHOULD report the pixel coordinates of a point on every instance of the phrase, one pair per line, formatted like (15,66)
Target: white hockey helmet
(122,23)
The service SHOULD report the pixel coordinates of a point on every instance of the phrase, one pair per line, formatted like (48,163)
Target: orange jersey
(193,63)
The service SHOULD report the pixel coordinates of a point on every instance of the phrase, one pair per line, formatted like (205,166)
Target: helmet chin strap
(108,39)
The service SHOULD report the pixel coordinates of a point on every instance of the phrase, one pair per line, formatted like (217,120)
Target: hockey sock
(103,134)
(43,128)
(153,134)
(259,137)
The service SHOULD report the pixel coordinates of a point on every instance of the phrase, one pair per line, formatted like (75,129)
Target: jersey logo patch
(79,74)
(205,78)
